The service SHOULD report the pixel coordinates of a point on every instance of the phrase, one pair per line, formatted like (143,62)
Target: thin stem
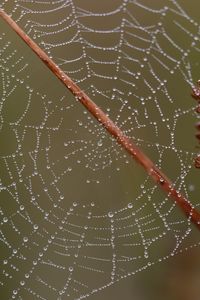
(156,174)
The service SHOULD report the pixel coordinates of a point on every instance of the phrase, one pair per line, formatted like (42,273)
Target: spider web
(77,214)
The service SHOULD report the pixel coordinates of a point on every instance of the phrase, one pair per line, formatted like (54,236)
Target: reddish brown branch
(112,128)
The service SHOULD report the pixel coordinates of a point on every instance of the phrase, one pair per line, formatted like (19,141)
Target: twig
(156,174)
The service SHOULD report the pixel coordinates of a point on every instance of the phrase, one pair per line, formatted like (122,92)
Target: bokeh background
(106,178)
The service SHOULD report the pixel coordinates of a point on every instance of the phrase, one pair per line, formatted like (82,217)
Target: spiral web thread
(134,60)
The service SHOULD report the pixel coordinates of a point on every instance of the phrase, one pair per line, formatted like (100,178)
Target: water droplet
(100,143)
(110,214)
(71,269)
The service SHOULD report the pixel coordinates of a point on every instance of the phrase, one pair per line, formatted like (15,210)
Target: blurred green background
(110,188)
